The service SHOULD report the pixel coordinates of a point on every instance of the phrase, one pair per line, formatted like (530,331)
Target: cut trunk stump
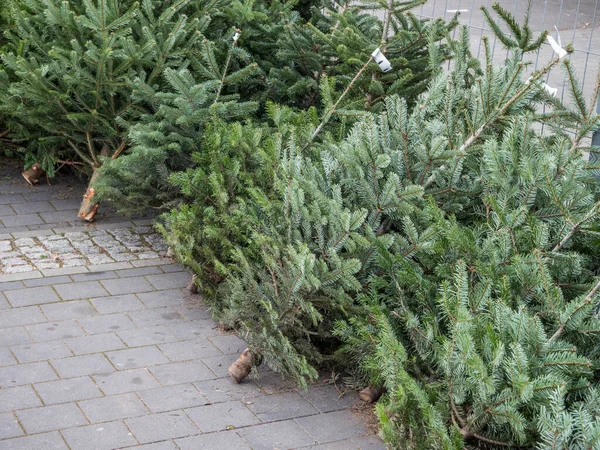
(192,287)
(371,394)
(89,206)
(33,174)
(241,368)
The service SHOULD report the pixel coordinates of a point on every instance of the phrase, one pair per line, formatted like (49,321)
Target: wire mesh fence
(573,21)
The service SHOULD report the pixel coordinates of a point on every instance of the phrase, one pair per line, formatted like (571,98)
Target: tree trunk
(372,394)
(89,206)
(241,368)
(33,174)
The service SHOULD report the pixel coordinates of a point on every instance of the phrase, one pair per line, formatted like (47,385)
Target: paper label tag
(381,60)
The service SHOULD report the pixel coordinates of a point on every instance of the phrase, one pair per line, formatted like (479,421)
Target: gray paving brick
(82,289)
(78,366)
(63,271)
(95,343)
(3,302)
(287,405)
(150,262)
(69,390)
(220,364)
(32,207)
(228,343)
(6,210)
(188,350)
(172,397)
(46,281)
(11,198)
(372,442)
(37,196)
(40,352)
(94,276)
(95,268)
(169,280)
(19,397)
(140,271)
(158,427)
(114,407)
(22,220)
(32,296)
(346,444)
(49,418)
(55,330)
(271,382)
(6,357)
(285,434)
(46,441)
(127,285)
(8,277)
(14,336)
(57,217)
(26,374)
(147,336)
(134,358)
(11,285)
(333,426)
(222,416)
(125,381)
(169,268)
(38,231)
(106,437)
(69,310)
(183,372)
(62,205)
(194,312)
(156,316)
(224,390)
(171,297)
(118,303)
(229,440)
(106,323)
(327,398)
(9,426)
(21,316)
(187,331)
(164,445)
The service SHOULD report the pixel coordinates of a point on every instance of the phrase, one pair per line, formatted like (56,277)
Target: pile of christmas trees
(405,221)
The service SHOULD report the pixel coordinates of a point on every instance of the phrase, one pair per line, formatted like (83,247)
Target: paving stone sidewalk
(102,348)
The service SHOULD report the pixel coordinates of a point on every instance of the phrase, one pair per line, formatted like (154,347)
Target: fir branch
(331,110)
(590,215)
(498,113)
(586,301)
(226,68)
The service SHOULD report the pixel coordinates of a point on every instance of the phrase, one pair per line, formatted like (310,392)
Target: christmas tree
(70,69)
(323,65)
(448,244)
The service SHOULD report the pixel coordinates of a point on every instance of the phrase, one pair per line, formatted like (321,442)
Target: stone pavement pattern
(114,353)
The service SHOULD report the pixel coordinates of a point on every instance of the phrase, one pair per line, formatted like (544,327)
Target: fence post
(596,142)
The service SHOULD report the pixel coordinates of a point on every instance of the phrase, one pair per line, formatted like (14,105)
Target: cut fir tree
(320,63)
(448,245)
(70,69)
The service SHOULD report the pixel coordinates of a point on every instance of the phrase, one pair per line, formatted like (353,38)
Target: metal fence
(574,21)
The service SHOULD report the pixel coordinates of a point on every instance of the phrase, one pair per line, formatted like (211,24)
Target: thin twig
(331,110)
(226,68)
(120,149)
(593,211)
(586,301)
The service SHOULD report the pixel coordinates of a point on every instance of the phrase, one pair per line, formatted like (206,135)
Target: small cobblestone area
(79,248)
(101,347)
